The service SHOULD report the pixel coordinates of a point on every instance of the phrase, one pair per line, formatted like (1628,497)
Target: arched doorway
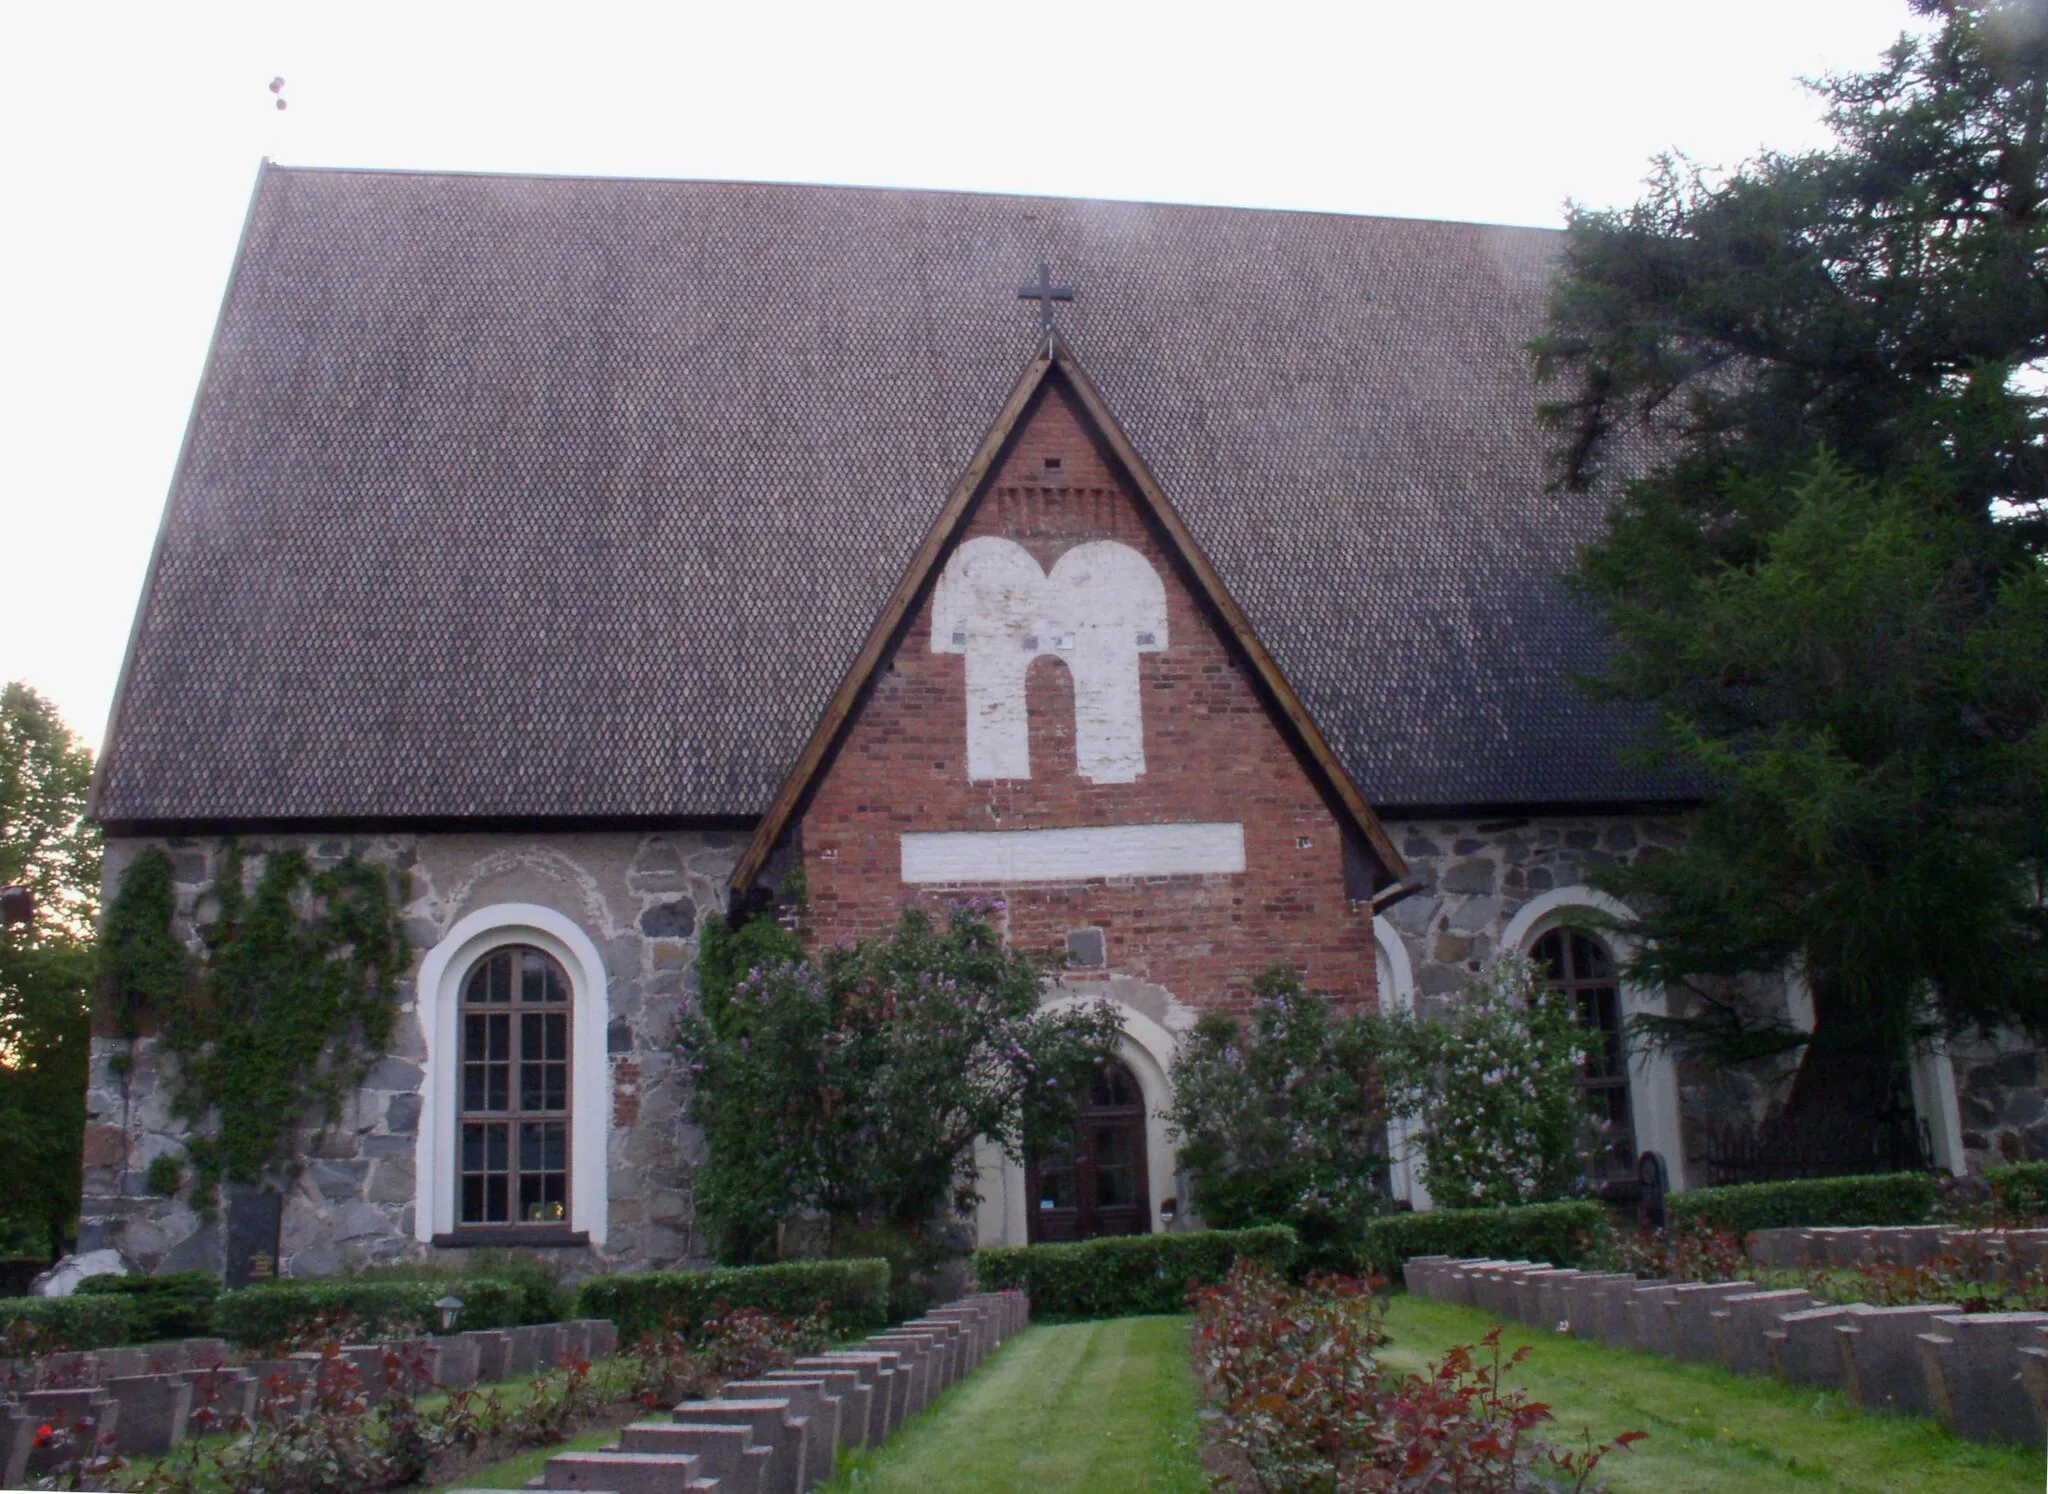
(1096,1184)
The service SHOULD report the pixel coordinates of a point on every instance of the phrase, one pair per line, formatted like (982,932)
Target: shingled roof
(514,497)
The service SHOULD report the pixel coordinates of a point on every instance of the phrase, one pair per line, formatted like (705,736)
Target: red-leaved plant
(1307,1403)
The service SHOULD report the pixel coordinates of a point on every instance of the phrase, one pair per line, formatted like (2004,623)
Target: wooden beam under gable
(887,625)
(1210,585)
(1059,363)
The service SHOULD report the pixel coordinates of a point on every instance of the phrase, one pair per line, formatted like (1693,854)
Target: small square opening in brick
(1085,948)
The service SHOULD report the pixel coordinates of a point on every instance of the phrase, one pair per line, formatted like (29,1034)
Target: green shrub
(280,1311)
(2022,1188)
(853,1295)
(1125,1275)
(93,1321)
(1808,1203)
(1564,1234)
(174,1305)
(1279,1118)
(542,1297)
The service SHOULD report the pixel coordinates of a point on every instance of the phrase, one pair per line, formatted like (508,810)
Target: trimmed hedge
(1124,1275)
(2021,1187)
(270,1314)
(83,1321)
(1807,1203)
(853,1295)
(177,1304)
(1565,1234)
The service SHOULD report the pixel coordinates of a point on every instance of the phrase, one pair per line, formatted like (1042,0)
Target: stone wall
(1999,1093)
(638,896)
(1480,874)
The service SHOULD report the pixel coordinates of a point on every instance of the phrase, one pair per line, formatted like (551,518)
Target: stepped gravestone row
(144,1397)
(782,1434)
(1982,1375)
(2005,1255)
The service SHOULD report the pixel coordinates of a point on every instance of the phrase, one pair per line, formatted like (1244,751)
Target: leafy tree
(1278,1119)
(853,1085)
(1828,584)
(45,970)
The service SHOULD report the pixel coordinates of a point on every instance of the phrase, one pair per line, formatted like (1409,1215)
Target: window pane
(555,1089)
(473,1148)
(472,1199)
(540,978)
(497,1195)
(557,1042)
(1548,957)
(531,1037)
(500,1033)
(1589,958)
(1055,1187)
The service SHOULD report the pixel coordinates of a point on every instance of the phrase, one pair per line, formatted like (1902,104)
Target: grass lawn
(1715,1431)
(1104,1407)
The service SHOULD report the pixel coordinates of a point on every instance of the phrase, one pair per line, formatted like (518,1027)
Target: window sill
(499,1236)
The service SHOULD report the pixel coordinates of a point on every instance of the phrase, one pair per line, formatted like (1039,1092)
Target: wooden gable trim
(840,710)
(1208,585)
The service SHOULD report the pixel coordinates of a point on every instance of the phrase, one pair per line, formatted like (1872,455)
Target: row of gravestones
(2002,1255)
(1982,1375)
(782,1433)
(143,1397)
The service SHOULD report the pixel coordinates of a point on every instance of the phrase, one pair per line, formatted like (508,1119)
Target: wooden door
(1096,1183)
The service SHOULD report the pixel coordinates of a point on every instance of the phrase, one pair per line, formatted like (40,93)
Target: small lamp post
(1169,1210)
(450,1309)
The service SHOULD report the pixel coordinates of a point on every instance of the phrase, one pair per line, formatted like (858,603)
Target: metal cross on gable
(1044,292)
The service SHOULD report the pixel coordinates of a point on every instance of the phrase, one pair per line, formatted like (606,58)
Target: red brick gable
(1213,756)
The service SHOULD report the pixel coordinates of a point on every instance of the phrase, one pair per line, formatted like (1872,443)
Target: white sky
(131,135)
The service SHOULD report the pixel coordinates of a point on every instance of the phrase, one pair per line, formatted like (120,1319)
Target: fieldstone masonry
(1478,874)
(639,896)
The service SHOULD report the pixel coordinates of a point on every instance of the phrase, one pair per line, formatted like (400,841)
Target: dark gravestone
(254,1218)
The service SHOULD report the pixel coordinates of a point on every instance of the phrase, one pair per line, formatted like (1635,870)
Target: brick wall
(1212,753)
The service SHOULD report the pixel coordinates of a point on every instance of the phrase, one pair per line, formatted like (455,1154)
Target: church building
(1182,582)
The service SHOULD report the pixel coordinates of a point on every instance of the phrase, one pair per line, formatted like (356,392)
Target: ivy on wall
(280,1020)
(143,966)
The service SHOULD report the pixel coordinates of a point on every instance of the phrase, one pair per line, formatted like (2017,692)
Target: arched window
(1579,965)
(513,1120)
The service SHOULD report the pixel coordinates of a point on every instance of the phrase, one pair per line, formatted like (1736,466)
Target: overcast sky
(132,135)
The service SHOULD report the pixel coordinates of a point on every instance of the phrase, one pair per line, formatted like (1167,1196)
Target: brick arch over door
(1147,1051)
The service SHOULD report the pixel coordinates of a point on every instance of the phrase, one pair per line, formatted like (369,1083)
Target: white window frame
(446,966)
(1652,1076)
(1394,974)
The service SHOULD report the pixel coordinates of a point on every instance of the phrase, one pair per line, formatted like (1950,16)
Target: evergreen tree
(1830,584)
(45,971)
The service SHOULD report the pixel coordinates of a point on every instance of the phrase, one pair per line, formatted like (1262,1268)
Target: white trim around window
(1653,1077)
(440,988)
(1395,977)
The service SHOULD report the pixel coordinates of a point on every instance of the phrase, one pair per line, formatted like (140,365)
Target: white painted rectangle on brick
(1079,854)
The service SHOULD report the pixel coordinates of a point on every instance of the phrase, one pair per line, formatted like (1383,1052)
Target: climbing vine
(144,967)
(294,997)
